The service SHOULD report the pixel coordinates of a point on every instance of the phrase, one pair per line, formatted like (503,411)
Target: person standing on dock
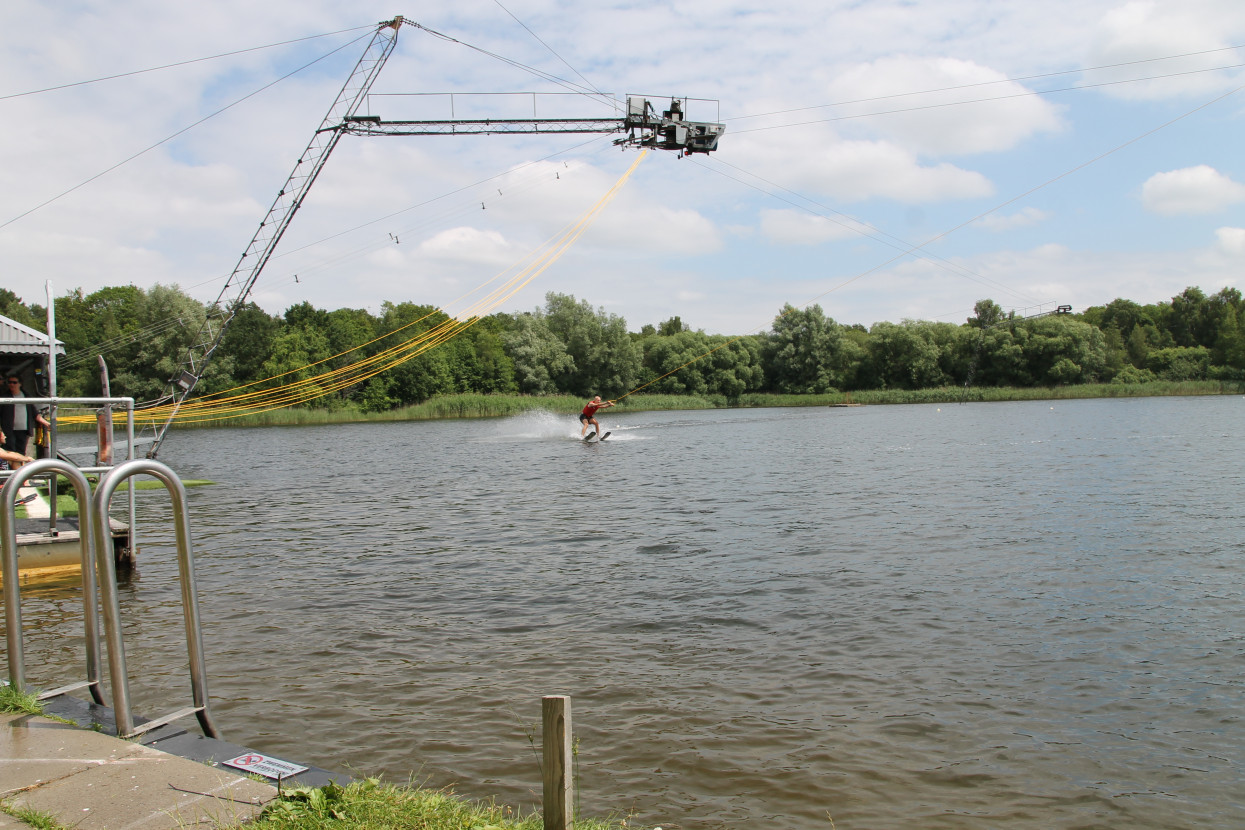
(18,420)
(588,416)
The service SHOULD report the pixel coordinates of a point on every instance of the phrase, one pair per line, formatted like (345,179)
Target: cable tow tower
(644,128)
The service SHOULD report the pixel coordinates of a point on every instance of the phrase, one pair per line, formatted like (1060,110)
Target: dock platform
(169,779)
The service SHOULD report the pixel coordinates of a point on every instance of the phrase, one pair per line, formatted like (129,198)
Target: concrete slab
(89,780)
(7,822)
(36,751)
(171,738)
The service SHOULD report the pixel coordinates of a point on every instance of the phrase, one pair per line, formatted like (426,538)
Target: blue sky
(791,209)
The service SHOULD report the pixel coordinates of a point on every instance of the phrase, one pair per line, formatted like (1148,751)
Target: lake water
(960,616)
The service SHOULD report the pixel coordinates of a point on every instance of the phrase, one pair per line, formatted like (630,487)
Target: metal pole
(12,592)
(129,435)
(52,409)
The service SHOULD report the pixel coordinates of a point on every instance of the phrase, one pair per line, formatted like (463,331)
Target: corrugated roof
(18,339)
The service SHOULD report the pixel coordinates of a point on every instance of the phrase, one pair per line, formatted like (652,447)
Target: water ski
(606,435)
(588,438)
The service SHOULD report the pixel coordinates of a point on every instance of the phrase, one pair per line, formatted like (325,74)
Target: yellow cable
(217,406)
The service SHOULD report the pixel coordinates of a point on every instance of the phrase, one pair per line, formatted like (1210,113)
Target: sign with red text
(264,765)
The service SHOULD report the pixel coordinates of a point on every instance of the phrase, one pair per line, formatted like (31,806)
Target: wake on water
(539,425)
(542,425)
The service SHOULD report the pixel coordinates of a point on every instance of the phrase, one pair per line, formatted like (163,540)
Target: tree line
(568,347)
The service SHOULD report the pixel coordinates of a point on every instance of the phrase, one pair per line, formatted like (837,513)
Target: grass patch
(13,702)
(369,804)
(67,502)
(66,506)
(152,484)
(35,818)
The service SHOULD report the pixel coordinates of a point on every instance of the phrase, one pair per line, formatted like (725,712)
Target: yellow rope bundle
(237,402)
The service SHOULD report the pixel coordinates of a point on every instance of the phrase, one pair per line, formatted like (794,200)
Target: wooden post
(103,420)
(559,784)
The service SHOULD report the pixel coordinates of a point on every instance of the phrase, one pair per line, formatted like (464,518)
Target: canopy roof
(18,339)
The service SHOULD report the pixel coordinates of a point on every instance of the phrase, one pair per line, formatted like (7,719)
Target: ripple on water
(991,618)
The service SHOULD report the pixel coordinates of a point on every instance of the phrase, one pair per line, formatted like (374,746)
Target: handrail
(12,588)
(53,403)
(112,606)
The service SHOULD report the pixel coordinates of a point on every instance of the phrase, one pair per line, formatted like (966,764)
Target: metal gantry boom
(289,200)
(644,128)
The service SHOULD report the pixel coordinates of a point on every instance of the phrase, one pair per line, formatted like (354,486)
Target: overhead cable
(178,63)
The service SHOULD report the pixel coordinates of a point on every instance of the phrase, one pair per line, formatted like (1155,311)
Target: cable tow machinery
(670,131)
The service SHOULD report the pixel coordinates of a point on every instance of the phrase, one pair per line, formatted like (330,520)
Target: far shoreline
(479,406)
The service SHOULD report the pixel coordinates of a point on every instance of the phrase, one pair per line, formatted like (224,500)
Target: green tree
(1180,363)
(347,329)
(247,344)
(539,357)
(986,313)
(294,356)
(672,326)
(1229,351)
(143,335)
(107,323)
(676,353)
(11,306)
(736,365)
(606,361)
(1059,350)
(807,352)
(427,373)
(906,356)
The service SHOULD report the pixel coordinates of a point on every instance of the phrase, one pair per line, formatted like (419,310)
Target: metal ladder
(12,586)
(93,527)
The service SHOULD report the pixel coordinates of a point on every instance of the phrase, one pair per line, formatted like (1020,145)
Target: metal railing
(94,531)
(12,585)
(112,606)
(54,452)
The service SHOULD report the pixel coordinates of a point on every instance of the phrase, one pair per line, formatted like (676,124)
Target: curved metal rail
(190,602)
(88,542)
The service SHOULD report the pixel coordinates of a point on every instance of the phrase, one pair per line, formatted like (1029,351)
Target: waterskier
(588,416)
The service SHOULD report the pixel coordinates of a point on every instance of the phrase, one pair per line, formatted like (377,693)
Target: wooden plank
(559,786)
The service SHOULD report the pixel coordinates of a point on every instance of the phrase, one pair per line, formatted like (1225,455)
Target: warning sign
(264,765)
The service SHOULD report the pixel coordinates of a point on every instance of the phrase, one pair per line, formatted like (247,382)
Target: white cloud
(1191,190)
(817,162)
(1231,241)
(485,247)
(1023,218)
(1130,36)
(939,122)
(793,227)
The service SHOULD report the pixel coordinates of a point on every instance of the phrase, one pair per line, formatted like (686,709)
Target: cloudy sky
(886,160)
